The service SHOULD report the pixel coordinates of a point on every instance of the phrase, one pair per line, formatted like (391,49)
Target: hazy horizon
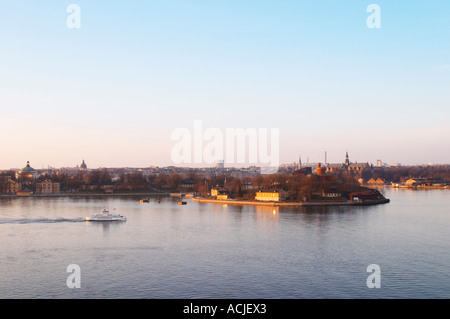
(114,90)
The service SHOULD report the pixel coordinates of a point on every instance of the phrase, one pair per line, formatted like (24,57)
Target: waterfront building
(378,181)
(24,193)
(47,187)
(9,185)
(270,196)
(415,181)
(219,191)
(13,187)
(436,182)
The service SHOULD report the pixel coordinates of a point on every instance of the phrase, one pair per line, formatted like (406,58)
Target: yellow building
(269,196)
(378,181)
(23,193)
(214,191)
(219,191)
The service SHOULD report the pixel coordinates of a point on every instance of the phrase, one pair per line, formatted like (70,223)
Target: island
(368,197)
(301,188)
(334,197)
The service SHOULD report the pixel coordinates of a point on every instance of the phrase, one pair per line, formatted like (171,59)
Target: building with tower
(83,166)
(347,160)
(27,174)
(347,166)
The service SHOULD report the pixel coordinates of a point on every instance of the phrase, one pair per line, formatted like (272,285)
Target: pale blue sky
(113,91)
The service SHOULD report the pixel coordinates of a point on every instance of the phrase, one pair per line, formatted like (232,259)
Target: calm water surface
(210,251)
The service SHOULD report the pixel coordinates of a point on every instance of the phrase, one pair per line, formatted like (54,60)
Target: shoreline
(406,187)
(292,204)
(81,195)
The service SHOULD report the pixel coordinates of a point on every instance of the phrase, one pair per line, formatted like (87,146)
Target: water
(165,250)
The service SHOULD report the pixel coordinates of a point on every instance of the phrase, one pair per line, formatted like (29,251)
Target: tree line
(297,186)
(402,173)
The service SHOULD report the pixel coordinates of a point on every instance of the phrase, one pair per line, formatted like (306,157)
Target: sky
(115,89)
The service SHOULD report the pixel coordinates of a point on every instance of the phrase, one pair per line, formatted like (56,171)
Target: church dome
(83,166)
(27,172)
(27,168)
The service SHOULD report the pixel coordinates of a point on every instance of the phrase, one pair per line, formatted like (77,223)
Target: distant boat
(147,200)
(181,201)
(106,216)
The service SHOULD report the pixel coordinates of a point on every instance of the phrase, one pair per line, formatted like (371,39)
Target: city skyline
(301,162)
(114,90)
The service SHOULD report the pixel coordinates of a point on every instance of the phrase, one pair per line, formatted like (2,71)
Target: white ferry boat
(106,216)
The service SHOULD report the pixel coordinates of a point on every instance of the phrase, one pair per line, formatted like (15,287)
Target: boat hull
(96,219)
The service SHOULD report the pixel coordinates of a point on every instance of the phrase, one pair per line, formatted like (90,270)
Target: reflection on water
(106,225)
(165,250)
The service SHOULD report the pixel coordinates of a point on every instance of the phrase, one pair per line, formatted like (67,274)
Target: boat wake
(35,220)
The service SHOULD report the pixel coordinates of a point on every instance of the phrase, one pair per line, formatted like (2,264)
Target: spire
(347,161)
